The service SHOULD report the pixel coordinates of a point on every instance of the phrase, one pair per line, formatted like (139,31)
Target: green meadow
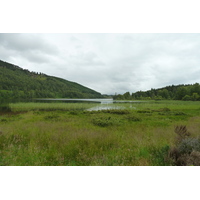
(67,134)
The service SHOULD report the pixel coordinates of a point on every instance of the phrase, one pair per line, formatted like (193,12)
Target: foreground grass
(65,134)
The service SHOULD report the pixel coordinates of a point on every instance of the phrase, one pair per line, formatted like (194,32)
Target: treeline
(18,83)
(179,92)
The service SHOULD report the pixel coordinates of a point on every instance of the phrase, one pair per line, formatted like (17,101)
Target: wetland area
(104,132)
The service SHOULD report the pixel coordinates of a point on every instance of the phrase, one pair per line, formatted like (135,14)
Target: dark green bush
(116,111)
(4,120)
(106,121)
(51,117)
(132,118)
(179,113)
(144,111)
(5,108)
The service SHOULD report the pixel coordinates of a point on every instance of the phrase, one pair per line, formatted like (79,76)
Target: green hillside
(16,83)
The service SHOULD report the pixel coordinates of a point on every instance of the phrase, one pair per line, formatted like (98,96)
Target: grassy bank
(65,134)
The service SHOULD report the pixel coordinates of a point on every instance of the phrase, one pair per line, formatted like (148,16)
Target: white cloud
(108,63)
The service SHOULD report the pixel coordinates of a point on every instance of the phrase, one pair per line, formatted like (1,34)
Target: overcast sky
(108,63)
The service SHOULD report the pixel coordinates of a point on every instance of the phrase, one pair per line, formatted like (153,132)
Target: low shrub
(187,149)
(178,113)
(51,117)
(74,112)
(5,108)
(189,145)
(106,121)
(192,158)
(116,111)
(144,111)
(132,118)
(162,110)
(4,120)
(171,113)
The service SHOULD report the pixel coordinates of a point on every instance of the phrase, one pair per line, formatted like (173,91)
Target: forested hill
(16,82)
(178,92)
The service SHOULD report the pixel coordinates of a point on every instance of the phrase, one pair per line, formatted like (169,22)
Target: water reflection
(105,107)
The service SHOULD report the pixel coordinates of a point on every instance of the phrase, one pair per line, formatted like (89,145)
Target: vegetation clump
(5,108)
(116,111)
(106,121)
(187,149)
(133,118)
(51,116)
(144,111)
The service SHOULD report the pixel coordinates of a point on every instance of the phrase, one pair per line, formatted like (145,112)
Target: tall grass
(30,106)
(65,135)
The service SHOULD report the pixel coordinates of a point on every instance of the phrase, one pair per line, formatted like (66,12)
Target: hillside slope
(16,82)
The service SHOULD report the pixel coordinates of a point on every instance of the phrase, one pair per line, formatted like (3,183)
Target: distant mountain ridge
(16,82)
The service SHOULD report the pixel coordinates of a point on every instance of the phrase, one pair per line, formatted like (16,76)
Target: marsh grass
(31,106)
(65,134)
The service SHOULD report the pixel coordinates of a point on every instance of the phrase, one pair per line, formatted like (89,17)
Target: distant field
(66,134)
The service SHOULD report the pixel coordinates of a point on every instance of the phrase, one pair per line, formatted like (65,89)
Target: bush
(132,118)
(5,108)
(144,111)
(106,121)
(187,98)
(189,159)
(187,149)
(51,117)
(189,145)
(116,111)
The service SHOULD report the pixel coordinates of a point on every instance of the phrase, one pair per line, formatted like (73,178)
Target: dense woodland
(179,92)
(18,83)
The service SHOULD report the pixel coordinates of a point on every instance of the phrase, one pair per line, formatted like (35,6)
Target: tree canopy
(179,92)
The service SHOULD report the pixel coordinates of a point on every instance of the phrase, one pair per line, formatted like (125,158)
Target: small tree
(127,95)
(195,97)
(186,98)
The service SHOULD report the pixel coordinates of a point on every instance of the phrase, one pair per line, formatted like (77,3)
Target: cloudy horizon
(106,62)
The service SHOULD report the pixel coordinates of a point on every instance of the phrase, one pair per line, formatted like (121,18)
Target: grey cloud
(109,63)
(74,39)
(26,42)
(27,46)
(88,59)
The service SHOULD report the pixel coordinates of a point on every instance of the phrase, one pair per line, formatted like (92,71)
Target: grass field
(66,134)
